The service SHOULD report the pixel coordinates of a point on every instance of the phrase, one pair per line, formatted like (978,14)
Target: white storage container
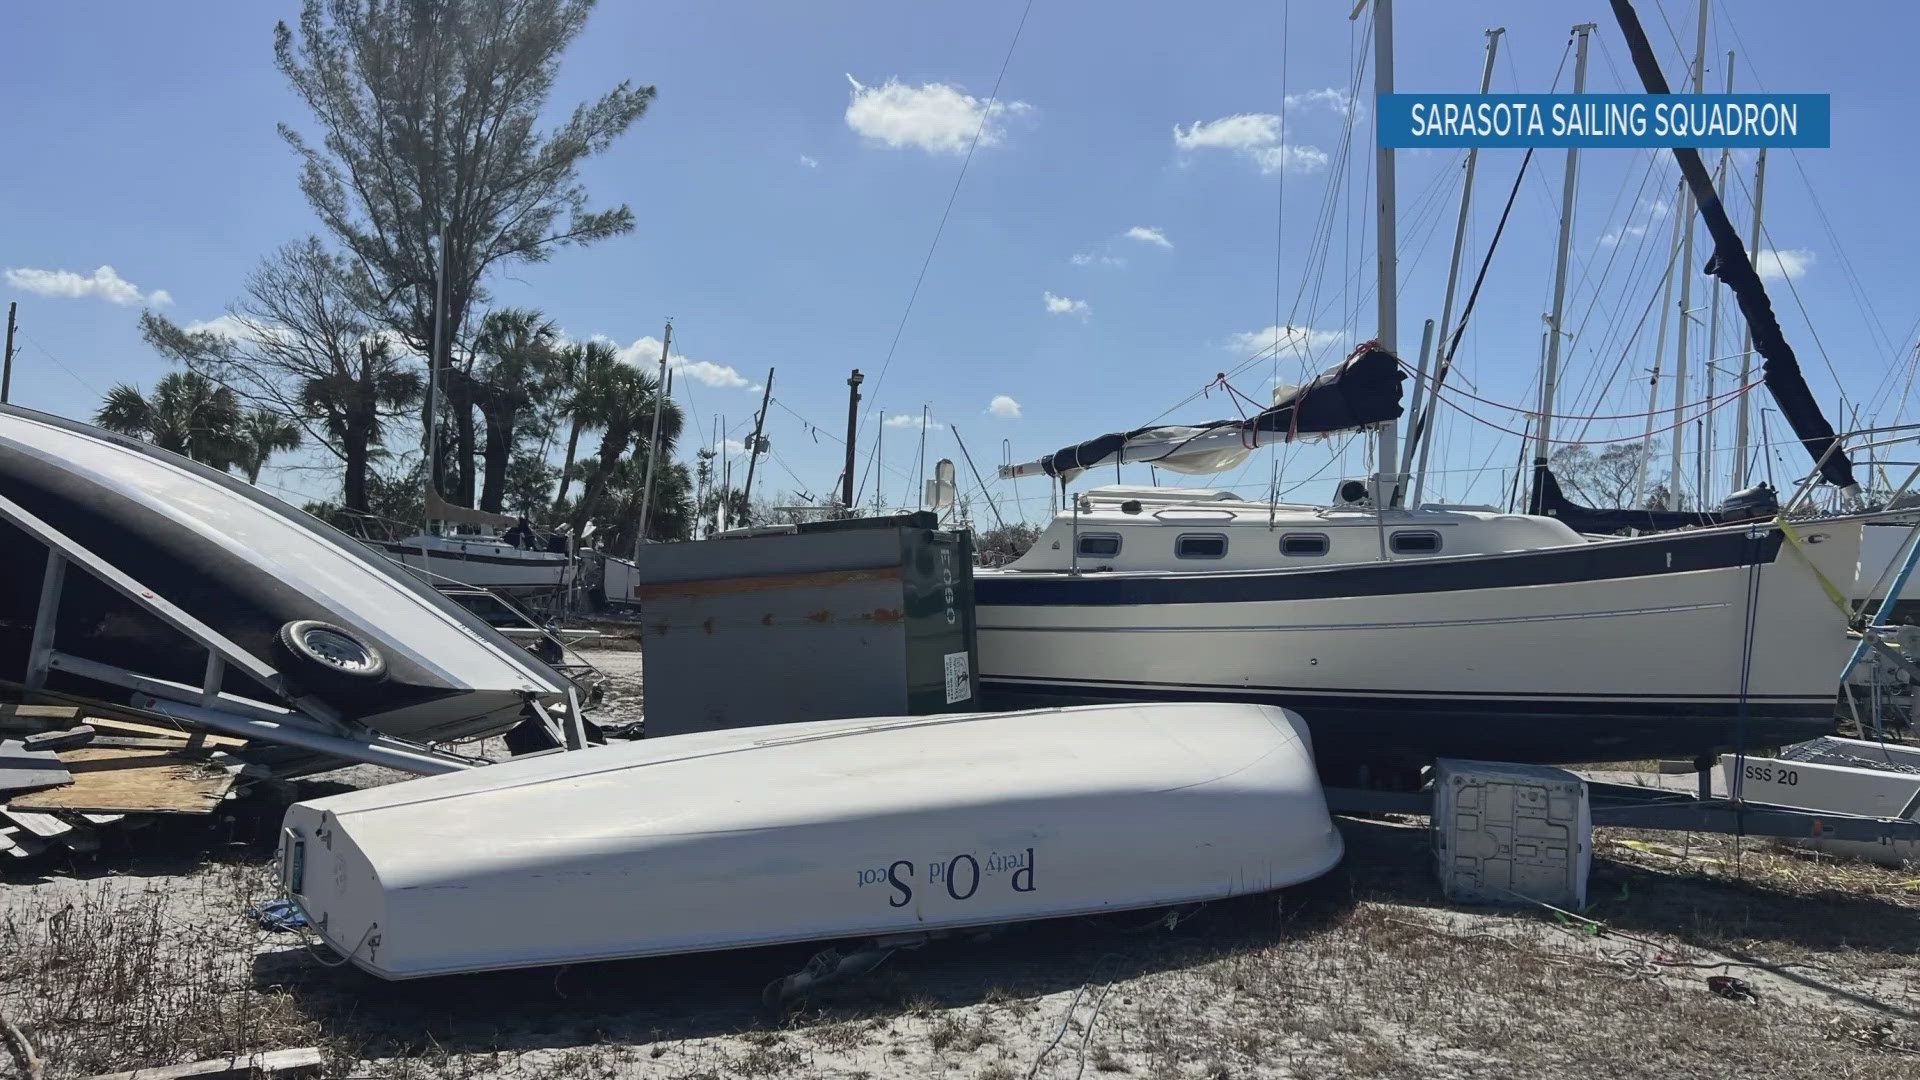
(1504,832)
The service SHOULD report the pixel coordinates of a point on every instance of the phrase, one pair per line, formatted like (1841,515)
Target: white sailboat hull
(482,563)
(1629,648)
(814,831)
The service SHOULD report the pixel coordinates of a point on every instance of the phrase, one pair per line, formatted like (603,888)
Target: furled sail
(1360,391)
(1734,269)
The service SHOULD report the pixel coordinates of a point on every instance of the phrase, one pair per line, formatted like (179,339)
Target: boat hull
(814,831)
(483,566)
(1606,651)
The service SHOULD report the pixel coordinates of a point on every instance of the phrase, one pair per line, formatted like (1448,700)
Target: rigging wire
(986,114)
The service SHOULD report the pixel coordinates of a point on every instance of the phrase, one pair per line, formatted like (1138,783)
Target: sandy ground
(139,956)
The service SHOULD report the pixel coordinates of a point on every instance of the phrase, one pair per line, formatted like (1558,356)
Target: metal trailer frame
(309,724)
(1635,807)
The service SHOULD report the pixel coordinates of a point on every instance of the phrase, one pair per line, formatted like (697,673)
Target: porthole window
(1304,544)
(1415,542)
(1099,545)
(1200,546)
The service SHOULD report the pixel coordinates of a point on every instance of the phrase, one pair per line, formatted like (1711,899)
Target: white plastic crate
(1504,832)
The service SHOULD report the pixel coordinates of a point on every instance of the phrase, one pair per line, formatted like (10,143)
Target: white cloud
(105,283)
(1654,210)
(1004,407)
(1147,234)
(936,117)
(1060,305)
(644,354)
(1292,159)
(809,162)
(226,326)
(1328,98)
(1292,339)
(1089,258)
(1255,136)
(912,420)
(1238,132)
(1776,265)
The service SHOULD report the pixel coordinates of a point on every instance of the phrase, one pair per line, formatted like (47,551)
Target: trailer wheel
(323,649)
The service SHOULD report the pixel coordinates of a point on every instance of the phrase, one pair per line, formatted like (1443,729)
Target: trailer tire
(325,651)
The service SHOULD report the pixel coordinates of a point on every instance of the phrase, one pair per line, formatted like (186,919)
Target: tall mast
(1686,291)
(1741,421)
(433,362)
(1550,374)
(653,441)
(1642,468)
(1386,484)
(1423,437)
(1713,335)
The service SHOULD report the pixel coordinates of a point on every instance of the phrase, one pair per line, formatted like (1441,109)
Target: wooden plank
(274,1064)
(45,826)
(25,770)
(154,730)
(108,780)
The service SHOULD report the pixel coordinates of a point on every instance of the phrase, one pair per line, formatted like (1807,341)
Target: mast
(853,424)
(1641,467)
(1686,291)
(1423,435)
(1386,485)
(1713,334)
(433,365)
(653,441)
(759,423)
(1740,433)
(1550,374)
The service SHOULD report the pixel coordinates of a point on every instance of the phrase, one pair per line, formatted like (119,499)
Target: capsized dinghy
(813,831)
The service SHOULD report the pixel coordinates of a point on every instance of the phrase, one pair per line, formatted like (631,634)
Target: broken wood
(71,739)
(108,780)
(22,769)
(275,1064)
(107,724)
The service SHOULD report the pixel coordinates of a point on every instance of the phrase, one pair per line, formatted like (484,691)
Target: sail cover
(1362,390)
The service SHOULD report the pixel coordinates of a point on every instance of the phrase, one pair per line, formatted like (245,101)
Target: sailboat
(1403,633)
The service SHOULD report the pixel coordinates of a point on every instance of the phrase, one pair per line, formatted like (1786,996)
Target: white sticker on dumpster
(957,688)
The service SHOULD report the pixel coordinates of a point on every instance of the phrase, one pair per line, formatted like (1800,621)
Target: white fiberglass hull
(481,563)
(823,830)
(1603,651)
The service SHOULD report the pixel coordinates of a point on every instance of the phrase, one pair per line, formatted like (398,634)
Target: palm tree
(517,348)
(625,418)
(587,376)
(188,414)
(263,433)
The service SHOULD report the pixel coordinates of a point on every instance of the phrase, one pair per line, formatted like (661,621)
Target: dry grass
(1364,974)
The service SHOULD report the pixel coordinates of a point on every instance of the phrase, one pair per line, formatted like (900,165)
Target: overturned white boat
(816,831)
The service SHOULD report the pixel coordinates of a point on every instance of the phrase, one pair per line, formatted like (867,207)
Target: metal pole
(1425,433)
(1740,420)
(653,440)
(753,448)
(853,423)
(1686,293)
(1550,374)
(1419,394)
(1641,467)
(1387,480)
(920,459)
(433,364)
(6,373)
(988,495)
(1705,471)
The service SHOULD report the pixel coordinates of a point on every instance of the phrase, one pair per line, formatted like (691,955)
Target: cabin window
(1304,544)
(1200,546)
(1415,542)
(1098,545)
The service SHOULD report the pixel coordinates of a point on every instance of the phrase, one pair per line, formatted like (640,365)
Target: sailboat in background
(1410,632)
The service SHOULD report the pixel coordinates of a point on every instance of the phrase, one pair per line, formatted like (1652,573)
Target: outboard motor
(1758,501)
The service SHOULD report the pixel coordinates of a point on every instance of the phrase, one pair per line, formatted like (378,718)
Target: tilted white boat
(815,831)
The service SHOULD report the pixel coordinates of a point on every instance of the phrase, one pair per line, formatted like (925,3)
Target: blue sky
(1112,247)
